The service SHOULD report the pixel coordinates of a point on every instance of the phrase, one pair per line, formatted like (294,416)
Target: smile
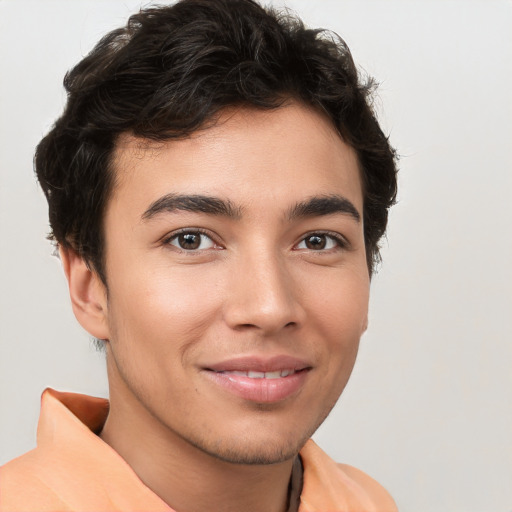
(260,380)
(261,375)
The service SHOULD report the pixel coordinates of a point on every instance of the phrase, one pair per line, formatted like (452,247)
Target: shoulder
(333,487)
(23,486)
(372,488)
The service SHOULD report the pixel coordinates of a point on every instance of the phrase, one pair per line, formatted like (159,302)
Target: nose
(263,295)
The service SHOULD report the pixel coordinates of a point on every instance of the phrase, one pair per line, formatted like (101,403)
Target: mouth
(260,380)
(278,374)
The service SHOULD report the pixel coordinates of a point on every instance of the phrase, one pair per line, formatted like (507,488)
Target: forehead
(292,150)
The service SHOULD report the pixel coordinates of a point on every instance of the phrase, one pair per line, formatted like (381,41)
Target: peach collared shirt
(72,469)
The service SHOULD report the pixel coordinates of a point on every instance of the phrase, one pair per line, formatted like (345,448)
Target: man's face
(237,281)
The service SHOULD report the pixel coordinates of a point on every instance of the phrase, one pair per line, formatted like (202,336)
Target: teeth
(256,375)
(262,375)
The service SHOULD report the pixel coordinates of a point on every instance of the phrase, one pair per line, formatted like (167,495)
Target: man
(217,188)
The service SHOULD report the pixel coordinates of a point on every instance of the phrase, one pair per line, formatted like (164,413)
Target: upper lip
(259,364)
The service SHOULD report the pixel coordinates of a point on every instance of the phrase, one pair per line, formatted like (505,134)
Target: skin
(258,285)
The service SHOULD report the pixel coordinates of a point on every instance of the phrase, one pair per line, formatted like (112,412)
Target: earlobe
(365,324)
(87,293)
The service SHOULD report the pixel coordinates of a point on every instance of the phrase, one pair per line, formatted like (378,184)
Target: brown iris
(316,242)
(189,241)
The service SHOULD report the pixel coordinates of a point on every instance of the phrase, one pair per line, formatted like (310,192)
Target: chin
(254,453)
(256,447)
(259,440)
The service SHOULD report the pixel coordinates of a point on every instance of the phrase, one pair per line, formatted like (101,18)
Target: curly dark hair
(169,72)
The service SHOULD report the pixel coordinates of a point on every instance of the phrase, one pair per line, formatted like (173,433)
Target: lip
(259,364)
(260,390)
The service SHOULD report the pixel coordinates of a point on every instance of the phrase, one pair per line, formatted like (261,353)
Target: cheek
(339,313)
(340,308)
(164,308)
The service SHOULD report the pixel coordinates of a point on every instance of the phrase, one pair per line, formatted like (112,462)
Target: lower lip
(260,390)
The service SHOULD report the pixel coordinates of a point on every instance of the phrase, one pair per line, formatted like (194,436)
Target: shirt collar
(68,428)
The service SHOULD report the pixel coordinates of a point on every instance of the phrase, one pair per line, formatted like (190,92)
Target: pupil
(190,240)
(315,242)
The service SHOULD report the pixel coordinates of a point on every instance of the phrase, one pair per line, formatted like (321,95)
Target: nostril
(246,326)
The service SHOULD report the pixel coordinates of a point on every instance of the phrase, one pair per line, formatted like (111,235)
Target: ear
(88,294)
(365,324)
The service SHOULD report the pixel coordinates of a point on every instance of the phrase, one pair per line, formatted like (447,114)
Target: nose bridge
(264,294)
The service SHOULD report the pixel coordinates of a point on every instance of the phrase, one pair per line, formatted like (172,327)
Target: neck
(183,476)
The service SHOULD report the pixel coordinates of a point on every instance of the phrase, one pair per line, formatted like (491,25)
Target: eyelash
(339,240)
(192,231)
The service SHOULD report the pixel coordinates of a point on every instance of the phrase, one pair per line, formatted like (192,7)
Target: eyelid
(174,234)
(341,241)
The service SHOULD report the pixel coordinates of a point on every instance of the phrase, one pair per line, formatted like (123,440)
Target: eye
(320,242)
(191,241)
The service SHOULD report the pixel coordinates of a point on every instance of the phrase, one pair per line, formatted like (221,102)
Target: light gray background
(428,411)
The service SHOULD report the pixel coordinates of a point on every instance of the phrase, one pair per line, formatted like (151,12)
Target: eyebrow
(312,207)
(324,205)
(191,203)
